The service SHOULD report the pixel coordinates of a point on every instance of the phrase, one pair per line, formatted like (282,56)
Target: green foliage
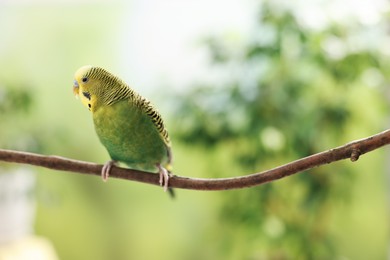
(14,100)
(288,94)
(15,106)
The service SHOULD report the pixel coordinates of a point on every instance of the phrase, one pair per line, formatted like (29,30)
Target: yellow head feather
(82,86)
(96,87)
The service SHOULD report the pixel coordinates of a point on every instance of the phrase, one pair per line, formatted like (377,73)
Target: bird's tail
(171,193)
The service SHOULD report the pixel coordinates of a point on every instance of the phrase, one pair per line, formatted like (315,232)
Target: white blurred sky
(162,38)
(159,41)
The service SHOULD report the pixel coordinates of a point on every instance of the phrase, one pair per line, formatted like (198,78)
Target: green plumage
(126,123)
(131,136)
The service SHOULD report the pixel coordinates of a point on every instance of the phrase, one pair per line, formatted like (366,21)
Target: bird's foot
(106,169)
(164,177)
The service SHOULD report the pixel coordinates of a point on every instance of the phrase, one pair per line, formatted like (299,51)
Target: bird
(127,124)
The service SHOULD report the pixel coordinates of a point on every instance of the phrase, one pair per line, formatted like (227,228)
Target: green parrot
(126,123)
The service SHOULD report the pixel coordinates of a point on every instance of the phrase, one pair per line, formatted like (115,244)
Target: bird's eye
(85,79)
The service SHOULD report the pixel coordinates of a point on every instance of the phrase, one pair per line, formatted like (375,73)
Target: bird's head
(97,87)
(86,86)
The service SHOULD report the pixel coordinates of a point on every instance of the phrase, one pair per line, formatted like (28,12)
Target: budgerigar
(126,123)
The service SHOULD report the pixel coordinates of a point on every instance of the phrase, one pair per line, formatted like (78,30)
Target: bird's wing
(148,108)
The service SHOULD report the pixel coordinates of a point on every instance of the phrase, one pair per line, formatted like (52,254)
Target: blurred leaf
(297,104)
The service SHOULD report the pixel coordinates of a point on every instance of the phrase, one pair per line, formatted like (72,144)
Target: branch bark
(352,150)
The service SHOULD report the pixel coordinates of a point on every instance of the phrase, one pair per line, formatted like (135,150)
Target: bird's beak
(76,88)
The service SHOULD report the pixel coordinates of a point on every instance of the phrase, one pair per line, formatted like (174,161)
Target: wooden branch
(351,150)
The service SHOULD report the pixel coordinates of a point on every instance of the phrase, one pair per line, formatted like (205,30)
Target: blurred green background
(295,80)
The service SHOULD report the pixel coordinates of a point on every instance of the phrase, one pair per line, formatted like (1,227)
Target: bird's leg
(106,169)
(164,177)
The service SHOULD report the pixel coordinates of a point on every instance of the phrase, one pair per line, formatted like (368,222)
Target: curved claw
(164,177)
(106,169)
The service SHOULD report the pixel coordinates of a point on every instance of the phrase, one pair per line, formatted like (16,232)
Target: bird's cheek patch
(87,95)
(87,100)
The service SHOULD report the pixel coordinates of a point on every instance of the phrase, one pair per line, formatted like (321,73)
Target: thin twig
(352,150)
